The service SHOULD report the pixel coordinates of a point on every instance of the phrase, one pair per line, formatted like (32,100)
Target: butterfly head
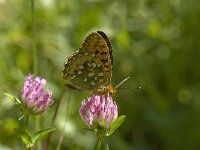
(105,90)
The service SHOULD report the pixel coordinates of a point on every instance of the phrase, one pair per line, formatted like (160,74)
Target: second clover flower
(98,112)
(33,95)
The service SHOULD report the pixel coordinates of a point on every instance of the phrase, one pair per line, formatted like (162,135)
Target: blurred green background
(154,42)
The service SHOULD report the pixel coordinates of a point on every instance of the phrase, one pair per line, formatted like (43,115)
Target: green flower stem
(37,122)
(26,122)
(98,145)
(100,135)
(29,148)
(48,142)
(34,39)
(65,121)
(38,127)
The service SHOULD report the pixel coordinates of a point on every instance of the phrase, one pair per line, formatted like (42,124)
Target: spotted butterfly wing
(90,67)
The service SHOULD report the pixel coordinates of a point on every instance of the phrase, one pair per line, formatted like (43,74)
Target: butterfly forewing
(90,68)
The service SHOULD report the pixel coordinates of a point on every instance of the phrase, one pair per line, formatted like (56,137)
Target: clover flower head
(33,95)
(98,111)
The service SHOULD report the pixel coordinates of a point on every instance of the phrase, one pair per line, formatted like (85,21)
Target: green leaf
(41,134)
(104,147)
(21,116)
(97,145)
(100,146)
(116,124)
(24,135)
(13,98)
(88,129)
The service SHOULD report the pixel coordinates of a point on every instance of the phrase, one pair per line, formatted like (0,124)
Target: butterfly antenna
(122,82)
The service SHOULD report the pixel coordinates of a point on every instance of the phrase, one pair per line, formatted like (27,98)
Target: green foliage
(118,122)
(14,99)
(30,141)
(154,42)
(25,136)
(41,134)
(100,146)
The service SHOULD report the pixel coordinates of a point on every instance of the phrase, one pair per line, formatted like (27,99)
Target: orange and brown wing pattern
(90,68)
(99,44)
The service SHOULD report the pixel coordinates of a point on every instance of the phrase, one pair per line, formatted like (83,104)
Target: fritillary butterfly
(90,67)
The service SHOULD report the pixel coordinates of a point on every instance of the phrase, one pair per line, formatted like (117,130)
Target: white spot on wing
(79,72)
(91,74)
(74,76)
(80,66)
(94,65)
(89,65)
(100,74)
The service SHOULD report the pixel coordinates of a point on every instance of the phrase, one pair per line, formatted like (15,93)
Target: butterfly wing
(99,44)
(90,67)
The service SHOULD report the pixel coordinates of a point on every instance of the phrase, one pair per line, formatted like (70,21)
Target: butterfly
(90,67)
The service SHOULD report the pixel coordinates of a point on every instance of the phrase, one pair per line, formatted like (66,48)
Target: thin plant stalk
(53,120)
(35,61)
(26,122)
(66,117)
